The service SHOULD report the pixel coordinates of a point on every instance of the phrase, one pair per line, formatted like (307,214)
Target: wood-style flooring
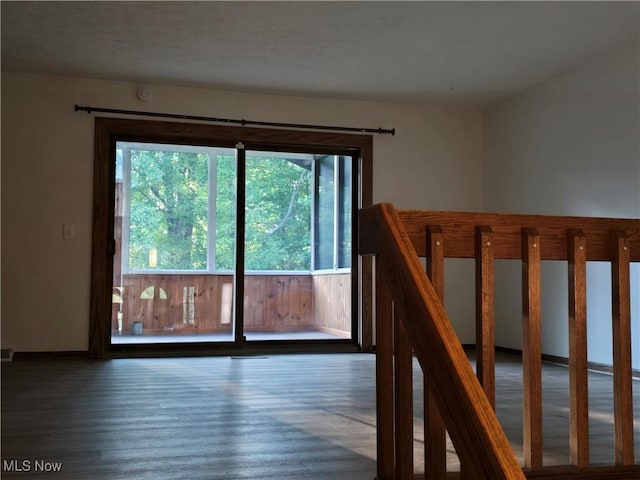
(280,417)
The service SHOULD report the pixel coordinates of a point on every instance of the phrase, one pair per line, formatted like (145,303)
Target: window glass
(169,195)
(325,214)
(278,211)
(344,214)
(178,205)
(225,212)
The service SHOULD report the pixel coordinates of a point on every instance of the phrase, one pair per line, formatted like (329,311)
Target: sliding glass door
(295,286)
(219,244)
(175,227)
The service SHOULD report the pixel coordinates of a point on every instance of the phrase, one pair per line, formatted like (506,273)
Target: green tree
(225,222)
(170,202)
(278,214)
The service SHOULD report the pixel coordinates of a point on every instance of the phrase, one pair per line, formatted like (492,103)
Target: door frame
(110,130)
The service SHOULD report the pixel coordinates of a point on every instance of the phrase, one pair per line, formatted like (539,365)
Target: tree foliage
(170,199)
(278,215)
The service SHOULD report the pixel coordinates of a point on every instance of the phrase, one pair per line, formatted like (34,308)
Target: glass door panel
(294,288)
(176,253)
(333,238)
(174,226)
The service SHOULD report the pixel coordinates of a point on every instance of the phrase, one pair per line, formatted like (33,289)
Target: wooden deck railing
(202,303)
(410,319)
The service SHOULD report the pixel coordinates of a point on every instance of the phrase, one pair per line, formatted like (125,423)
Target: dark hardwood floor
(308,417)
(304,416)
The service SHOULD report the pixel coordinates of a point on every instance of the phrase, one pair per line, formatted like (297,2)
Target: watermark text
(28,465)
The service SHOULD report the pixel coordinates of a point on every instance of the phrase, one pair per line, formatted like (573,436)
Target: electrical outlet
(68,231)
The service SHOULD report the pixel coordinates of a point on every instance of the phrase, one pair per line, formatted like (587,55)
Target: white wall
(568,146)
(434,161)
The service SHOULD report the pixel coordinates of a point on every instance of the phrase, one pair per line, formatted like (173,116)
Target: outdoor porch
(159,308)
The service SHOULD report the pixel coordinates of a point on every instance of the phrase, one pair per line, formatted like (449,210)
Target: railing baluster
(403,373)
(622,389)
(578,384)
(384,375)
(435,437)
(485,323)
(531,350)
(435,259)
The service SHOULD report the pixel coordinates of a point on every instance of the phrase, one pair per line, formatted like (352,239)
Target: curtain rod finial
(79,108)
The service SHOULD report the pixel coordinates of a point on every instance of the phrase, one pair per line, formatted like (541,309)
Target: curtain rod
(243,122)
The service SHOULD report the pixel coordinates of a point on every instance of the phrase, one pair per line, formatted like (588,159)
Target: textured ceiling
(458,52)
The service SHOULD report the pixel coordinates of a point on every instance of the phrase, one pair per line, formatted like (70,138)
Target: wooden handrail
(474,429)
(458,230)
(410,319)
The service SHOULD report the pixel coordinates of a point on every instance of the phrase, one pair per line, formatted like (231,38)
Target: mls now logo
(30,466)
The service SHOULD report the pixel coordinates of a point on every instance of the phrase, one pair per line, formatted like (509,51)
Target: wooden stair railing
(422,326)
(410,319)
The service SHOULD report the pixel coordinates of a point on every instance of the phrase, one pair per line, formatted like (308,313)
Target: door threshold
(250,348)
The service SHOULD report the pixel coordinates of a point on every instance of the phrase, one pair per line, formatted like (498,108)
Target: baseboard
(55,355)
(564,361)
(509,351)
(467,347)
